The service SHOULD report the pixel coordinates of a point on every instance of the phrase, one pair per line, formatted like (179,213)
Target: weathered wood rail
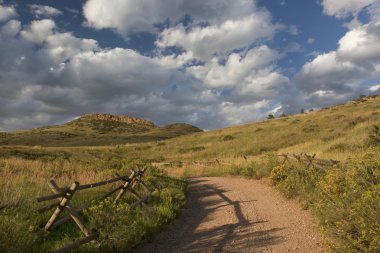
(65,195)
(309,160)
(211,163)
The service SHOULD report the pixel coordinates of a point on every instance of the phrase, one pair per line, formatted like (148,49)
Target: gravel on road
(238,215)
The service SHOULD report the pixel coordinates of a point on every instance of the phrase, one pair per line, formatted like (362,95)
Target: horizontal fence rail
(64,195)
(309,160)
(175,164)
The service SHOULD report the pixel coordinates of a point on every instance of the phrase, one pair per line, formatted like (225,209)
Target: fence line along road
(310,160)
(66,194)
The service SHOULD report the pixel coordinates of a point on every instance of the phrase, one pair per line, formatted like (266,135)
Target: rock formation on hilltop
(119,118)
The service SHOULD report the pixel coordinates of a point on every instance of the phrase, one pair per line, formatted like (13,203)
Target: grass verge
(121,227)
(344,197)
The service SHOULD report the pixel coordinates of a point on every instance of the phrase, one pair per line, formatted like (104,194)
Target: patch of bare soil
(238,215)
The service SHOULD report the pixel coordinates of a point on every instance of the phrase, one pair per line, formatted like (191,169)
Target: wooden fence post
(65,194)
(74,214)
(298,157)
(286,159)
(310,159)
(78,220)
(64,201)
(125,187)
(146,198)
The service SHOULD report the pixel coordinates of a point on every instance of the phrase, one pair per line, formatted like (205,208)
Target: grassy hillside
(96,129)
(344,197)
(337,132)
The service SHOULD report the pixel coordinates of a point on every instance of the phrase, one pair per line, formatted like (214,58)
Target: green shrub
(345,198)
(374,136)
(355,122)
(227,138)
(142,148)
(349,205)
(342,147)
(295,180)
(311,128)
(245,171)
(257,169)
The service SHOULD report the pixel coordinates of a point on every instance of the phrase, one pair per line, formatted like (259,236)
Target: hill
(336,132)
(97,129)
(344,197)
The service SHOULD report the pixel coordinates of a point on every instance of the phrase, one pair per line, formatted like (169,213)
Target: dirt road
(238,215)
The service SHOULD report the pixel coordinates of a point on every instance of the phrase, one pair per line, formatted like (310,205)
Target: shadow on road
(204,199)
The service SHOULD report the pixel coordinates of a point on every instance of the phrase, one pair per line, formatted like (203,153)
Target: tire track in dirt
(238,215)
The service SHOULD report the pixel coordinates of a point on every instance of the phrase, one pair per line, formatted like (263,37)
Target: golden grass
(21,180)
(335,133)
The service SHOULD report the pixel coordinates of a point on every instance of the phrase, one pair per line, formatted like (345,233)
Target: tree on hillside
(270,116)
(302,110)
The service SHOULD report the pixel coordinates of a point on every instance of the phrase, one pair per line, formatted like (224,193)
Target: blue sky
(209,63)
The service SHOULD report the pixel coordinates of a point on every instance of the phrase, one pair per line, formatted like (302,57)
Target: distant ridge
(97,129)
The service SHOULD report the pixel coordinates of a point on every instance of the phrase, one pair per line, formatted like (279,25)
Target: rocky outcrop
(118,118)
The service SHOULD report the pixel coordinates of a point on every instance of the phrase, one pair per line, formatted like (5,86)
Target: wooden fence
(66,194)
(210,163)
(309,160)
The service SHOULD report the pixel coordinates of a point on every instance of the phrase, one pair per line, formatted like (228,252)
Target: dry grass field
(344,197)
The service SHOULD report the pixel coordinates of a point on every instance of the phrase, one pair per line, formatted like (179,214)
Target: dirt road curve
(238,215)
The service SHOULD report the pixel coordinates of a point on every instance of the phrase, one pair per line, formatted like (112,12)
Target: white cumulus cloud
(7,12)
(342,74)
(129,16)
(203,42)
(44,10)
(236,69)
(344,8)
(362,44)
(39,30)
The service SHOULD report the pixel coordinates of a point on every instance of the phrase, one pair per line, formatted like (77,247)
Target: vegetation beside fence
(119,226)
(345,196)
